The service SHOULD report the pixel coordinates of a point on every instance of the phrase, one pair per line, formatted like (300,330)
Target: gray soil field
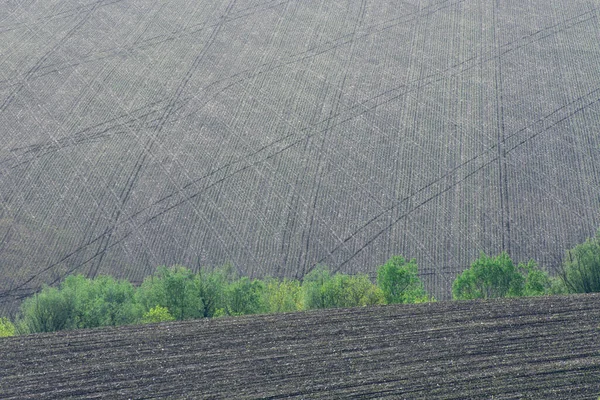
(280,134)
(527,348)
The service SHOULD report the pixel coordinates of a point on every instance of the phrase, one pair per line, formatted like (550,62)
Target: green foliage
(557,286)
(47,311)
(211,288)
(282,296)
(313,288)
(323,290)
(494,277)
(244,297)
(536,281)
(79,303)
(157,314)
(400,283)
(581,269)
(6,327)
(103,301)
(173,288)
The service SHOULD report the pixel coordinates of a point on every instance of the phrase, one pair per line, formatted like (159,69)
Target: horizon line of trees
(177,293)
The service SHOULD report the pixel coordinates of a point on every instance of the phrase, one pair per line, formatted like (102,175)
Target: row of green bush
(177,293)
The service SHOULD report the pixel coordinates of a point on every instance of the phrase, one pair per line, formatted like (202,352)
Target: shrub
(581,269)
(493,277)
(6,327)
(282,296)
(400,283)
(175,289)
(244,296)
(323,290)
(47,311)
(157,314)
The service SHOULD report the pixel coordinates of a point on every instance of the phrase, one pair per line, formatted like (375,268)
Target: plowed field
(280,134)
(541,348)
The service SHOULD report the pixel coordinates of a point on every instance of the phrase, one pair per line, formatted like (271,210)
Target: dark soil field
(280,134)
(539,348)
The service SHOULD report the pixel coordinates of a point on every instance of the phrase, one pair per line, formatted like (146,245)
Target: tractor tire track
(502,167)
(147,148)
(32,71)
(493,148)
(62,14)
(492,151)
(304,257)
(328,123)
(469,63)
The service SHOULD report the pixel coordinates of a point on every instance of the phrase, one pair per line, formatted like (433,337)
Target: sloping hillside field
(540,348)
(279,134)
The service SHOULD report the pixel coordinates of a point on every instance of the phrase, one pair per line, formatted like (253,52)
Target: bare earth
(280,134)
(541,348)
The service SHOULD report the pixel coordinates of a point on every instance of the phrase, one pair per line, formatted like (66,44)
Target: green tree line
(177,293)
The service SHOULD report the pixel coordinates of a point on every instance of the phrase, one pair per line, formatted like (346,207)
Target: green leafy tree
(80,302)
(47,311)
(581,268)
(323,290)
(536,281)
(211,287)
(173,288)
(355,291)
(494,277)
(314,288)
(282,296)
(157,314)
(400,283)
(6,327)
(244,297)
(103,301)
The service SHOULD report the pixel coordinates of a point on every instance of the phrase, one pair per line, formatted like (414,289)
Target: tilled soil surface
(278,135)
(520,348)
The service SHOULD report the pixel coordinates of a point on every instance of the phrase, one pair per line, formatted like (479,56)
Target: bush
(47,311)
(157,314)
(244,297)
(79,302)
(175,289)
(211,286)
(103,301)
(400,283)
(323,290)
(581,269)
(6,328)
(494,277)
(282,296)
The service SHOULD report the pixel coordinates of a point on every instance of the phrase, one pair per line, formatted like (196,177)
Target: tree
(244,297)
(157,314)
(313,288)
(581,268)
(537,282)
(6,327)
(102,301)
(47,311)
(355,291)
(494,277)
(174,288)
(323,290)
(282,296)
(211,286)
(399,281)
(80,302)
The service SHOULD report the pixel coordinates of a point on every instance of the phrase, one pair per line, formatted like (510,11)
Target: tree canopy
(493,277)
